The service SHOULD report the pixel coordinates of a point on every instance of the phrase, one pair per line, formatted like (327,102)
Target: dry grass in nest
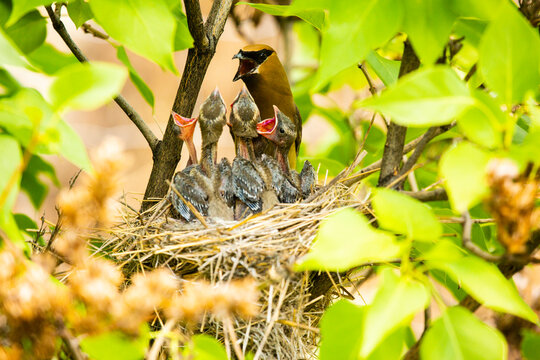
(263,246)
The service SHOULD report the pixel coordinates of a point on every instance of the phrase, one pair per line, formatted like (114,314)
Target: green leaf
(530,345)
(8,84)
(21,113)
(471,29)
(29,32)
(386,70)
(25,224)
(428,24)
(480,279)
(463,167)
(9,226)
(313,16)
(79,11)
(485,10)
(509,56)
(207,348)
(9,53)
(404,215)
(427,97)
(182,37)
(485,283)
(484,122)
(32,185)
(87,86)
(347,39)
(395,304)
(144,90)
(344,240)
(341,331)
(145,27)
(72,146)
(9,165)
(21,7)
(115,345)
(459,335)
(50,60)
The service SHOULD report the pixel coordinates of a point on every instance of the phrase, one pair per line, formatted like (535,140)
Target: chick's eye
(281,131)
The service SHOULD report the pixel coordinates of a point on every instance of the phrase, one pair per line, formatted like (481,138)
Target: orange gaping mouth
(182,121)
(267,126)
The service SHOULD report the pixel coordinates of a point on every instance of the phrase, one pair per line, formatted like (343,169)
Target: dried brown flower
(512,203)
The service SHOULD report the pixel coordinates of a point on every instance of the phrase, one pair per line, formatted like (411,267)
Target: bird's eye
(281,131)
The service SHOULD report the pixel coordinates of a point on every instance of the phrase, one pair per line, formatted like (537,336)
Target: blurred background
(330,136)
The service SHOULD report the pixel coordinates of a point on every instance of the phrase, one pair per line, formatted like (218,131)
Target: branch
(395,136)
(472,247)
(370,169)
(431,133)
(167,156)
(424,196)
(58,25)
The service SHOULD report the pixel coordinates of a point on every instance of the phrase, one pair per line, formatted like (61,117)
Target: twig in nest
(282,294)
(153,353)
(228,327)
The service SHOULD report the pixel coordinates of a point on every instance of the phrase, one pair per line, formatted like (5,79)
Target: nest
(263,246)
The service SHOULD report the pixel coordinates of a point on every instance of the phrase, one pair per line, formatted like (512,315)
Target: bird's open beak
(185,125)
(245,67)
(267,127)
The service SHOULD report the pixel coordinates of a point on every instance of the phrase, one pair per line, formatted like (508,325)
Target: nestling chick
(247,183)
(191,191)
(267,81)
(212,118)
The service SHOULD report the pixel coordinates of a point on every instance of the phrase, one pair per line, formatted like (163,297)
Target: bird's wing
(308,178)
(191,192)
(247,183)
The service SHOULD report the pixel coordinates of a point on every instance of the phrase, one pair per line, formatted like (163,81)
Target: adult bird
(266,80)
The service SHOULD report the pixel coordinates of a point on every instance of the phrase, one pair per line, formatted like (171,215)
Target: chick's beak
(215,95)
(185,125)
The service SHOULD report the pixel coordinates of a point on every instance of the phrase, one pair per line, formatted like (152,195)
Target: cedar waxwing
(217,207)
(265,77)
(212,118)
(185,128)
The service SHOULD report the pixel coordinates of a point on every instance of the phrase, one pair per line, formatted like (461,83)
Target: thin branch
(372,88)
(58,25)
(470,73)
(425,196)
(71,343)
(87,28)
(370,169)
(472,247)
(431,133)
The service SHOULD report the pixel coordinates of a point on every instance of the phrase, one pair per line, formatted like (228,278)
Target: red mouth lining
(246,66)
(182,121)
(267,126)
